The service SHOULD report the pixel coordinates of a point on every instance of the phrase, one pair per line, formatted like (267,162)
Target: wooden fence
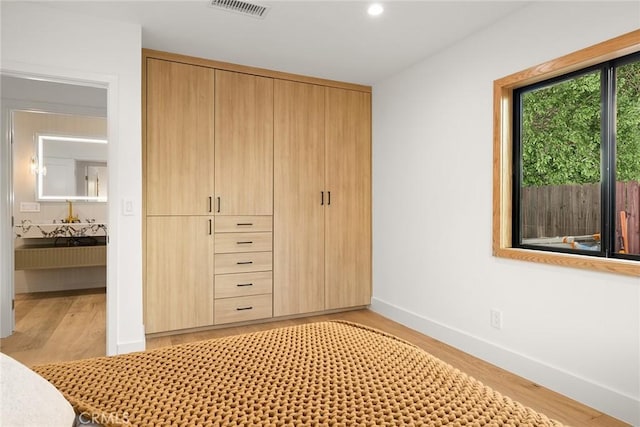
(574,210)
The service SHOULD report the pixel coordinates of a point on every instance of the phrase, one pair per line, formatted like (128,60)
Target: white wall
(37,39)
(575,331)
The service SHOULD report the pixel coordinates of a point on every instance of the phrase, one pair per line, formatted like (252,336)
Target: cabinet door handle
(244,308)
(322,198)
(244,243)
(240,285)
(244,262)
(210,228)
(210,204)
(219,204)
(244,224)
(329,197)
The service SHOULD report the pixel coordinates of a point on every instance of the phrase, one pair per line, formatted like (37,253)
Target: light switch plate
(127,206)
(29,207)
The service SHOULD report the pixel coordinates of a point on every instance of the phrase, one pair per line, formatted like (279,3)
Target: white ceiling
(329,39)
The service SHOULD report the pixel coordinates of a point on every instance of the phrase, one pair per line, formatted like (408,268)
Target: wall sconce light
(35,169)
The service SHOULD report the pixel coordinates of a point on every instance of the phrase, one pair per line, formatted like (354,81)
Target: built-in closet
(257,193)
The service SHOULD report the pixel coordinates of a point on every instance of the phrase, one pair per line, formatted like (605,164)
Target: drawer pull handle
(322,198)
(329,196)
(244,308)
(219,204)
(244,262)
(240,285)
(210,204)
(210,227)
(245,243)
(244,224)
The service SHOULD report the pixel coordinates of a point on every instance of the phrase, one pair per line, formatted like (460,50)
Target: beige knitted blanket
(318,374)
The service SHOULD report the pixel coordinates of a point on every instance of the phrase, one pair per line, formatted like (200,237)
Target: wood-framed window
(534,193)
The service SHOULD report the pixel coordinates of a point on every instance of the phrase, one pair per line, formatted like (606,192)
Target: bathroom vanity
(64,245)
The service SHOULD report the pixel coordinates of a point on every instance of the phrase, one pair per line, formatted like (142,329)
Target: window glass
(560,164)
(627,191)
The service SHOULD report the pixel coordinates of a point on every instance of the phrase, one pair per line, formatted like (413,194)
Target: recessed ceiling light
(375,9)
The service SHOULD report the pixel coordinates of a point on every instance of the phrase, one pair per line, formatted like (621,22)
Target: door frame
(7,315)
(70,76)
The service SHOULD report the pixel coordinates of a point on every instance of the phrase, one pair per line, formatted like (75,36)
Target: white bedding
(27,399)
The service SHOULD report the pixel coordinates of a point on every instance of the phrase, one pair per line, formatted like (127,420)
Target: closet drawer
(244,262)
(243,242)
(243,284)
(243,224)
(241,309)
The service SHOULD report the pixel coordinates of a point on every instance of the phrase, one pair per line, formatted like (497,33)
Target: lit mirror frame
(42,167)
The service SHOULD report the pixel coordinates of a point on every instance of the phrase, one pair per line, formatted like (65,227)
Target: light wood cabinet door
(243,144)
(179,138)
(179,276)
(298,228)
(348,214)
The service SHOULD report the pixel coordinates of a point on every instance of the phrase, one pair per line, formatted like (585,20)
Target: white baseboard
(597,396)
(138,344)
(131,346)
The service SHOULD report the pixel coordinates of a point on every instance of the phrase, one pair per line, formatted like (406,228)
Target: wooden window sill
(609,265)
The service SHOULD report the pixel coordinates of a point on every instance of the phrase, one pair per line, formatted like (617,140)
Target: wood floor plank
(81,333)
(26,306)
(36,328)
(58,326)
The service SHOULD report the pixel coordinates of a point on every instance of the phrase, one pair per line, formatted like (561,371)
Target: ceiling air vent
(243,7)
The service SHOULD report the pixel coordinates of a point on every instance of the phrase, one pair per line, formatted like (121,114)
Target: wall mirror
(71,168)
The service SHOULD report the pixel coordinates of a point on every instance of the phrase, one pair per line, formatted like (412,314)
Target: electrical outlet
(29,207)
(496,318)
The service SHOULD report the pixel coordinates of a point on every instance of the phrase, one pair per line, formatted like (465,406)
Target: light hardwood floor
(62,326)
(58,326)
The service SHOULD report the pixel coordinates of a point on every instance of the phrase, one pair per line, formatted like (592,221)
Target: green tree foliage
(628,122)
(561,133)
(561,130)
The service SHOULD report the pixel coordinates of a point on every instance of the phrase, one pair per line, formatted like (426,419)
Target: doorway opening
(59,212)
